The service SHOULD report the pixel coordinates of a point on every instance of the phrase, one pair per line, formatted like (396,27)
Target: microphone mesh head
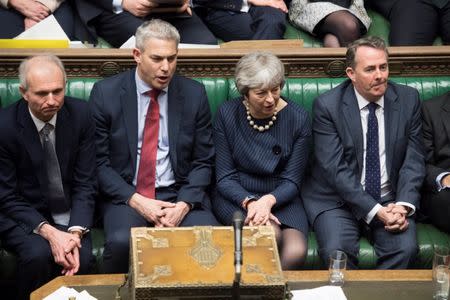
(238,216)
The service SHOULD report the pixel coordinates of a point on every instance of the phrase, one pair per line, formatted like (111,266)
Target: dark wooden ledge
(299,62)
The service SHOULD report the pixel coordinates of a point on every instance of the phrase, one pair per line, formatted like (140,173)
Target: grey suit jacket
(338,151)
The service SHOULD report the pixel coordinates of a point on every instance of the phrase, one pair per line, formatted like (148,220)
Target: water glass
(338,264)
(441,261)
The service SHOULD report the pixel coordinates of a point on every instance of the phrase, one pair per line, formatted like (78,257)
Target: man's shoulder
(438,101)
(335,95)
(117,79)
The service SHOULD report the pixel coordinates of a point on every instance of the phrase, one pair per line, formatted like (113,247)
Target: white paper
(131,43)
(321,293)
(47,29)
(65,292)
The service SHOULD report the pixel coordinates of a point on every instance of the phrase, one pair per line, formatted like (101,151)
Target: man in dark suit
(415,22)
(436,133)
(368,162)
(47,177)
(244,20)
(153,167)
(117,21)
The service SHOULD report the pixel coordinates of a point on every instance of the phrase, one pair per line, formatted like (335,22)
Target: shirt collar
(142,87)
(39,123)
(362,102)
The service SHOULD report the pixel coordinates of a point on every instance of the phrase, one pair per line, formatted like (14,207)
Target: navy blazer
(191,152)
(233,5)
(22,170)
(338,150)
(436,134)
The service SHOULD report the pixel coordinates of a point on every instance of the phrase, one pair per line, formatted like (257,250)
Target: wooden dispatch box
(198,263)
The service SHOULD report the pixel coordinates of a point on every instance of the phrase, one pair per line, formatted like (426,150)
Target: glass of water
(441,261)
(338,264)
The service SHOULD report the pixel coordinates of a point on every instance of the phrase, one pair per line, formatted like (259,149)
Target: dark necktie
(373,185)
(146,178)
(55,190)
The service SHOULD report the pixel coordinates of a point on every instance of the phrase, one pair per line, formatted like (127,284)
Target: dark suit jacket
(85,12)
(338,150)
(436,134)
(233,5)
(191,151)
(22,171)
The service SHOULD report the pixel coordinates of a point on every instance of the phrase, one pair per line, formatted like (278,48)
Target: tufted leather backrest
(300,90)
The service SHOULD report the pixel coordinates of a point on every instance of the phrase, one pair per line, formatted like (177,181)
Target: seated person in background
(262,142)
(116,21)
(336,22)
(368,162)
(47,177)
(154,145)
(244,19)
(17,16)
(436,132)
(415,22)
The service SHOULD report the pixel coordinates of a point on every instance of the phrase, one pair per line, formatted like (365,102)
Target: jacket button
(276,150)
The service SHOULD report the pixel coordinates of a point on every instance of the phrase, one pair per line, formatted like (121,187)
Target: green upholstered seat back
(300,90)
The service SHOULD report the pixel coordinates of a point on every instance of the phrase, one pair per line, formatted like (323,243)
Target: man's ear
(23,91)
(137,55)
(350,73)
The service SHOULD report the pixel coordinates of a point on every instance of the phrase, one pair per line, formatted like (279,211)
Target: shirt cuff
(413,208)
(439,179)
(369,217)
(36,230)
(83,230)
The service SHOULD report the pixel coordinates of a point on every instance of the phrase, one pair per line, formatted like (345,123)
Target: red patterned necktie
(146,178)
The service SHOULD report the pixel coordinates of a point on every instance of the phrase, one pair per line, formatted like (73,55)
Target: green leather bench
(301,90)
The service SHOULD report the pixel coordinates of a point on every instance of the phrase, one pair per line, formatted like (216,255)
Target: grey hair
(258,70)
(157,29)
(370,41)
(24,67)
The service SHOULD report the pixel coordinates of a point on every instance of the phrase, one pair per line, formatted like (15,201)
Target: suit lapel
(391,119)
(31,141)
(445,113)
(175,109)
(128,103)
(352,117)
(63,139)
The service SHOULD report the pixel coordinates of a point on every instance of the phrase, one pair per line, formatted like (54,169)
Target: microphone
(238,223)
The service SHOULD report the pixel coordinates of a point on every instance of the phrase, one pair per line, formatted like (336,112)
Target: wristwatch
(249,199)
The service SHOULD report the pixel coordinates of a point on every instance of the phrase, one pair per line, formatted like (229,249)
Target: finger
(274,219)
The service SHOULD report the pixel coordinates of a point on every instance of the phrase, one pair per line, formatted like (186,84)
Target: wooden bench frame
(220,62)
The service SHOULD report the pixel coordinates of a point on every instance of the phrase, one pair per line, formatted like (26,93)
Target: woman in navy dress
(262,142)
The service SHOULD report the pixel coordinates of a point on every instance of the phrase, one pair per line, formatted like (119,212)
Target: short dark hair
(370,41)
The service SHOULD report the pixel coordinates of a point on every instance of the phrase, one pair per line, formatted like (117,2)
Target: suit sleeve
(330,158)
(292,175)
(199,176)
(111,184)
(412,171)
(429,131)
(227,178)
(11,202)
(84,176)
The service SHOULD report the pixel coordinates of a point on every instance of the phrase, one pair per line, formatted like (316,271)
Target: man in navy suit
(368,162)
(436,134)
(47,177)
(175,194)
(244,19)
(116,21)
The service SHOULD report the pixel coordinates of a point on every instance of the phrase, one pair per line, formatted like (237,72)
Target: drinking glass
(338,264)
(441,260)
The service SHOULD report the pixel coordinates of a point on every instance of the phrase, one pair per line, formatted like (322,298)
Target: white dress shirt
(386,188)
(164,173)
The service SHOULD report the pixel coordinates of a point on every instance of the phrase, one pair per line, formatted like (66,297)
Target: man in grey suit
(368,162)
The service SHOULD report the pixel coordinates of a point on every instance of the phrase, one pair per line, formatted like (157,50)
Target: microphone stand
(238,223)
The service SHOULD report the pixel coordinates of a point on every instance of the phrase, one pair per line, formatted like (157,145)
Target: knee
(350,29)
(37,258)
(118,242)
(273,17)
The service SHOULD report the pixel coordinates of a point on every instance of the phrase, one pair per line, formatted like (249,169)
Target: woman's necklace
(252,123)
